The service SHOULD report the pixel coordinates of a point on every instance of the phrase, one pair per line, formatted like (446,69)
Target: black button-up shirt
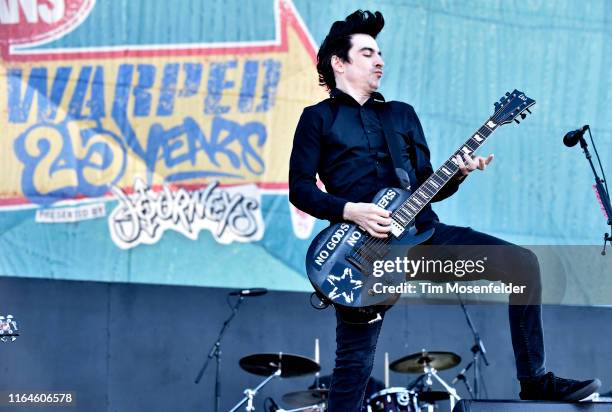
(344,143)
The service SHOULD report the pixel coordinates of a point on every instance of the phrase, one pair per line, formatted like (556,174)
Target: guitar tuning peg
(507,94)
(528,111)
(517,122)
(523,115)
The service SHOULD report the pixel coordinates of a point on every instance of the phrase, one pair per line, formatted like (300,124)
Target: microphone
(573,137)
(249,292)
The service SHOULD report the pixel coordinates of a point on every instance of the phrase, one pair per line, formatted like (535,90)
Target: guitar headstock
(511,106)
(8,329)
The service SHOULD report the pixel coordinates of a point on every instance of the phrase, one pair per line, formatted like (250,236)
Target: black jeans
(356,343)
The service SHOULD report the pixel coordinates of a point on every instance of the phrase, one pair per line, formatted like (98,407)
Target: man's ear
(337,64)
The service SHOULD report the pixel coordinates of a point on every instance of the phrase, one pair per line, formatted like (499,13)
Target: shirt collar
(375,97)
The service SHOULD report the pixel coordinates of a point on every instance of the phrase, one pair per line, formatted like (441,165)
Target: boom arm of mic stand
(215,347)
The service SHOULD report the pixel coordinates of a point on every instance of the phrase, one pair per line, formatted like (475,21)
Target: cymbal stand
(432,373)
(318,407)
(250,393)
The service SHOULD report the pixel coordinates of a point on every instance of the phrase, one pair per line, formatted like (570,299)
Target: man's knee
(528,260)
(528,268)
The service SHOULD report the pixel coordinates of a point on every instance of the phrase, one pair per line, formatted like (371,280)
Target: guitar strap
(407,178)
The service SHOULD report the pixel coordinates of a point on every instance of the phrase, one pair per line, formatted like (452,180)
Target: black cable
(323,304)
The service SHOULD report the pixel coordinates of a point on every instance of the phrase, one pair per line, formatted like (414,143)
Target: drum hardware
(414,363)
(432,396)
(393,400)
(430,373)
(386,369)
(316,357)
(250,393)
(265,364)
(272,365)
(416,384)
(309,408)
(311,398)
(429,363)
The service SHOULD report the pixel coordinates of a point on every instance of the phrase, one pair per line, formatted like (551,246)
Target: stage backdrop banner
(144,141)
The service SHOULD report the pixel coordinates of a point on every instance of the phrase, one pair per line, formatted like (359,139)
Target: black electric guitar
(343,261)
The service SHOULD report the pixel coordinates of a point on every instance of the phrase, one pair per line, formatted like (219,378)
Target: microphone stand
(603,193)
(478,350)
(215,352)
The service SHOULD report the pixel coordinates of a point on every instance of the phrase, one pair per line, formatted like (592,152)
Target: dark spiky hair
(338,41)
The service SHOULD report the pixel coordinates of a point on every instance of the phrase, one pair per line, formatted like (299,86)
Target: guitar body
(340,261)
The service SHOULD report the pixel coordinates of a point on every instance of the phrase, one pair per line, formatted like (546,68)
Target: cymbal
(265,364)
(304,398)
(432,396)
(415,363)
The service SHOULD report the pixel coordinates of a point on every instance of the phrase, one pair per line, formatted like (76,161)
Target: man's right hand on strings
(370,217)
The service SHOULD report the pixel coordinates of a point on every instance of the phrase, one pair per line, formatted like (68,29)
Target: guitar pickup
(396,229)
(355,261)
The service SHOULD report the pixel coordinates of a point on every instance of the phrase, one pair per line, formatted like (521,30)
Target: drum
(393,400)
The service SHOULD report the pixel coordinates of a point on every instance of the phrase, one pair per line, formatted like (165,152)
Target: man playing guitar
(341,139)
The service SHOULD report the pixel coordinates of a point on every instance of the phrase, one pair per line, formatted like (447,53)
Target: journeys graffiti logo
(230,214)
(82,120)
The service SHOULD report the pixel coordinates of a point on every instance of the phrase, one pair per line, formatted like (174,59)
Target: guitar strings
(379,244)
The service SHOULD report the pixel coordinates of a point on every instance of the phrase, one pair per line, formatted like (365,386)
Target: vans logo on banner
(32,22)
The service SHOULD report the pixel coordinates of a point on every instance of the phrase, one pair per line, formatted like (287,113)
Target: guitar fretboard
(408,210)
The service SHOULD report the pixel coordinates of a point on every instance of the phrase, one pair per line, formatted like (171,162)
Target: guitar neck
(408,210)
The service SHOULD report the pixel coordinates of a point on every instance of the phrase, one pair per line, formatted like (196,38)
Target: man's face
(365,68)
